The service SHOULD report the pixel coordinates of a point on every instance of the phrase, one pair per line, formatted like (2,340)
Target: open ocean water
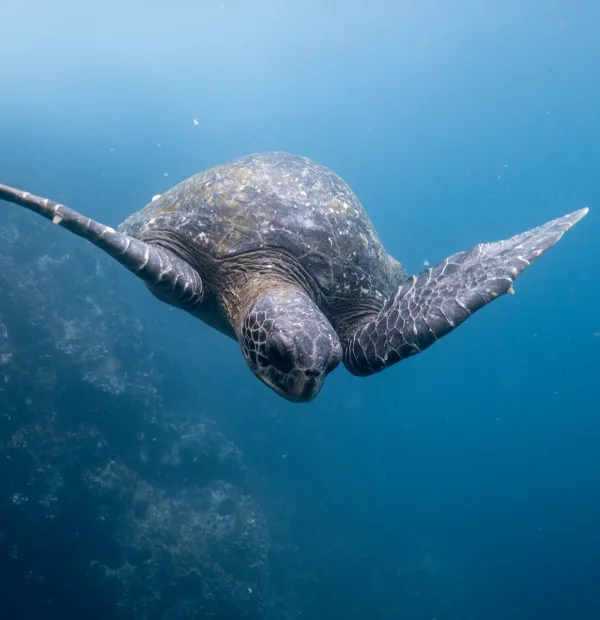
(145,473)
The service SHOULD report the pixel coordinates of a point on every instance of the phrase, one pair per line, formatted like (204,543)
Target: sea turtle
(276,251)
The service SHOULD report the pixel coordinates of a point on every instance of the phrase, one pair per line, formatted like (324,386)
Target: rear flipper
(429,306)
(168,277)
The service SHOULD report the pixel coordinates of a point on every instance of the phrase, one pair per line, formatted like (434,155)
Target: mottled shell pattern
(278,200)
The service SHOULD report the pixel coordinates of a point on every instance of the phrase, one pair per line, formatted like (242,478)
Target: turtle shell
(278,200)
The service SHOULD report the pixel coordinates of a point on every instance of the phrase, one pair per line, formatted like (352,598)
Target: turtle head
(289,344)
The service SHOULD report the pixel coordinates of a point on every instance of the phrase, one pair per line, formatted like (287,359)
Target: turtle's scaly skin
(278,200)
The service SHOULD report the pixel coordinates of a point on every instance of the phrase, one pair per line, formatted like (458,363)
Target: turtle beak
(305,389)
(300,387)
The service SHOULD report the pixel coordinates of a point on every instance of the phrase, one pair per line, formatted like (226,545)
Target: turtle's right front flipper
(427,307)
(168,277)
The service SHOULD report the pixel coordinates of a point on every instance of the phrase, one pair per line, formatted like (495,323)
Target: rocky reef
(112,504)
(122,494)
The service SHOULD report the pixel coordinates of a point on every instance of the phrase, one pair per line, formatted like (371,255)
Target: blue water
(470,471)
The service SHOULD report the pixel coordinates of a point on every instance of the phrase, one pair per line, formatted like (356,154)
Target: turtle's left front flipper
(431,305)
(168,277)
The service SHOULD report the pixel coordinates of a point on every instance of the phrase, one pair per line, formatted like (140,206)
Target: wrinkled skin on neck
(288,343)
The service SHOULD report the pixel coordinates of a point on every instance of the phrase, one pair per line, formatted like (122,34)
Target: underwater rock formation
(113,504)
(120,501)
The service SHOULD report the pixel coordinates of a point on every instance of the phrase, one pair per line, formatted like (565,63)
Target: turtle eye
(279,354)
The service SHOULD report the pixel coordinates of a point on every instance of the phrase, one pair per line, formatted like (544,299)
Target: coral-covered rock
(113,504)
